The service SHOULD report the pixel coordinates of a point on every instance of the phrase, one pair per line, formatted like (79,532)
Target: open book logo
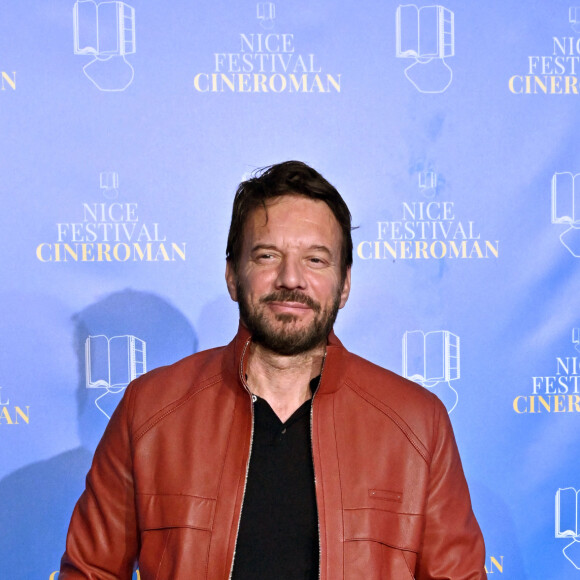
(432,359)
(266,12)
(426,35)
(574,18)
(428,183)
(112,363)
(109,184)
(576,338)
(105,31)
(566,519)
(566,209)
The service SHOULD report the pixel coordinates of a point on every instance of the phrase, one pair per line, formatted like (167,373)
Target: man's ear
(345,289)
(231,281)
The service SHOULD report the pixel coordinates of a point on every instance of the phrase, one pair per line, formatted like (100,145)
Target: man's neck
(283,381)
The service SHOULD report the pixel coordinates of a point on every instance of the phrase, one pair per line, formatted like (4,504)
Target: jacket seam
(206,564)
(216,507)
(176,495)
(407,563)
(436,422)
(391,413)
(163,553)
(383,510)
(339,479)
(172,407)
(129,418)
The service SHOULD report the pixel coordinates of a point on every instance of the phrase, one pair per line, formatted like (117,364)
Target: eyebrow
(321,249)
(258,247)
(315,247)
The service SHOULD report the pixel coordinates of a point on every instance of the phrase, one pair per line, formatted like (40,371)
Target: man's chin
(287,341)
(287,334)
(288,323)
(287,319)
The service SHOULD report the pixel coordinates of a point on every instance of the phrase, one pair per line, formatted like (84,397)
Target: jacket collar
(332,372)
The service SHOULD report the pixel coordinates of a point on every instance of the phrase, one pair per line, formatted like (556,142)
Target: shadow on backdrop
(502,543)
(115,339)
(219,319)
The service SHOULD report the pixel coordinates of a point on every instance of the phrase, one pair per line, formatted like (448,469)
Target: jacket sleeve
(102,540)
(453,547)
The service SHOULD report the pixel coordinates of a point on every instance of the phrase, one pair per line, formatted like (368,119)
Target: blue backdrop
(452,132)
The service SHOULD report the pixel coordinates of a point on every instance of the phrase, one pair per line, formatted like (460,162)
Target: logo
(109,181)
(266,63)
(432,359)
(105,31)
(574,18)
(558,393)
(427,36)
(110,231)
(112,363)
(266,14)
(565,210)
(427,229)
(7,81)
(494,564)
(566,518)
(13,414)
(428,183)
(555,73)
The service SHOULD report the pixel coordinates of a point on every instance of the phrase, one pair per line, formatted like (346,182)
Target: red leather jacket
(167,483)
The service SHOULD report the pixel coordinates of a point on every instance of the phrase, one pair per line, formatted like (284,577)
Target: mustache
(291,296)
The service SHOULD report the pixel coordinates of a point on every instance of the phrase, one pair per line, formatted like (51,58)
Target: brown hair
(290,177)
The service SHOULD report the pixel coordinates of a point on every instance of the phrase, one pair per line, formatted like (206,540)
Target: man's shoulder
(413,410)
(166,386)
(389,392)
(196,365)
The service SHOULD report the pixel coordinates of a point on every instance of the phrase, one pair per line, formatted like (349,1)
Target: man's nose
(291,274)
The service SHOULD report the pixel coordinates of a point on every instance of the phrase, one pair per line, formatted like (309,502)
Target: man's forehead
(291,200)
(290,204)
(293,213)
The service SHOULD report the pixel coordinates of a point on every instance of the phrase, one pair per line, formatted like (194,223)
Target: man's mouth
(288,307)
(290,302)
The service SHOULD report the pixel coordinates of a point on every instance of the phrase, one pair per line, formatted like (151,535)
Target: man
(280,456)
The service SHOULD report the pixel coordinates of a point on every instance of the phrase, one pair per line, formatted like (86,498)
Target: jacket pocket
(160,511)
(381,544)
(397,530)
(175,535)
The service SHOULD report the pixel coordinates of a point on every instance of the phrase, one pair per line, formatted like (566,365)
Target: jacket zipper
(242,378)
(314,468)
(250,456)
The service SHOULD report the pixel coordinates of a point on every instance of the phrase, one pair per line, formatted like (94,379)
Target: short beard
(287,342)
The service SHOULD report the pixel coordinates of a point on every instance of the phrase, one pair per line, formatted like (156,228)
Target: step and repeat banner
(452,131)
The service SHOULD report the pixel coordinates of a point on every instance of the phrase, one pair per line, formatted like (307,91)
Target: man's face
(288,284)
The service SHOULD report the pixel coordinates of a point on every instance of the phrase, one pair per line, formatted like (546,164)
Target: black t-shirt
(278,535)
